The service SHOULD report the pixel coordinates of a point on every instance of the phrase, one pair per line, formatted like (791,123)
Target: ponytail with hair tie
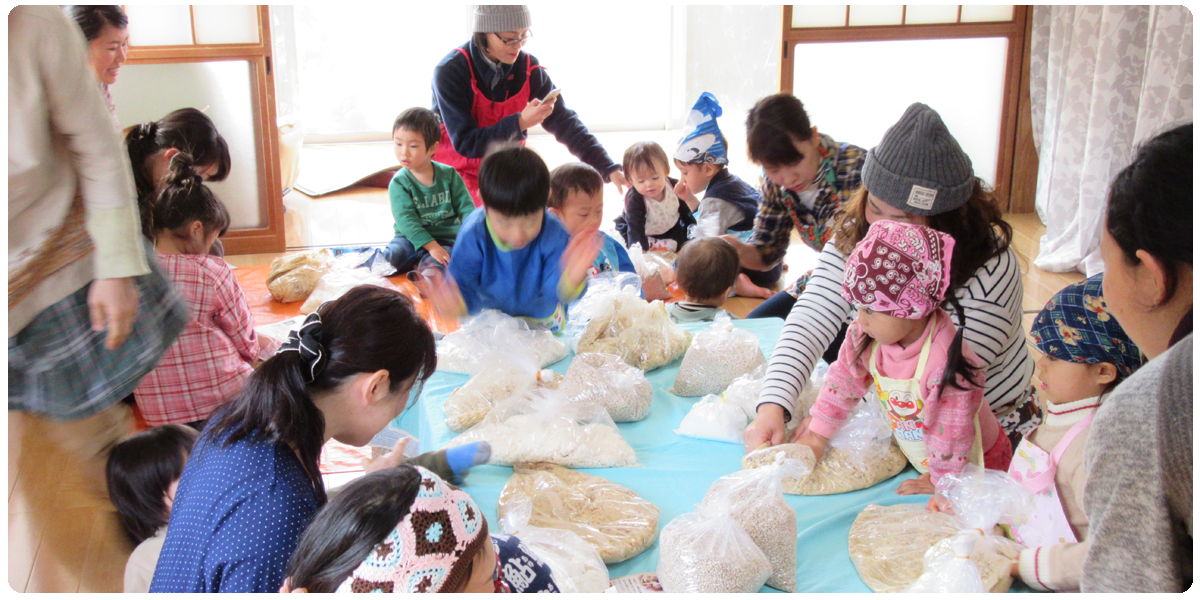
(308,342)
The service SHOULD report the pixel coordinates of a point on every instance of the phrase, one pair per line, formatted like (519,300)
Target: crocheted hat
(430,549)
(899,269)
(495,18)
(703,142)
(919,167)
(1076,326)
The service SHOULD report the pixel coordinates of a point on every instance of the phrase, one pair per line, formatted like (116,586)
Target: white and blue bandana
(703,142)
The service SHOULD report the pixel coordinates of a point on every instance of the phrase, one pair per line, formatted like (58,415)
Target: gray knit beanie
(918,167)
(495,18)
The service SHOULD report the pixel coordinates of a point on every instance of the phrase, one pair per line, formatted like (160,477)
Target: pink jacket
(949,430)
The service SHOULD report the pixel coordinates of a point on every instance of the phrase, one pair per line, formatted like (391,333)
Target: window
(357,69)
(964,61)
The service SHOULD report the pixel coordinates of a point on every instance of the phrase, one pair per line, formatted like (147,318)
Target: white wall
(733,52)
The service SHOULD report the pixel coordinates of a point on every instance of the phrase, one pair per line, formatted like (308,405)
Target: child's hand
(920,485)
(387,461)
(446,297)
(534,113)
(685,194)
(581,252)
(939,503)
(804,435)
(437,252)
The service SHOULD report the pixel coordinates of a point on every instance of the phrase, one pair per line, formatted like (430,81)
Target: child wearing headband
(904,343)
(405,530)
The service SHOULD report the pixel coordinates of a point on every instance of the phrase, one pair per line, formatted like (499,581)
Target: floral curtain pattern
(1102,80)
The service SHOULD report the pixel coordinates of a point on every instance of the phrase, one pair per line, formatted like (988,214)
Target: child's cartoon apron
(905,406)
(1047,524)
(486,113)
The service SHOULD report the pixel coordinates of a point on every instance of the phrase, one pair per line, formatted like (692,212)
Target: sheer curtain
(348,70)
(1102,80)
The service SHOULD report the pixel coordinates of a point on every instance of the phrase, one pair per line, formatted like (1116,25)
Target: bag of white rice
(717,356)
(574,564)
(714,418)
(606,380)
(543,426)
(707,551)
(461,351)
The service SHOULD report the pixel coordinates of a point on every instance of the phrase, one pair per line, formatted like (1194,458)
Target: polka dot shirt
(238,515)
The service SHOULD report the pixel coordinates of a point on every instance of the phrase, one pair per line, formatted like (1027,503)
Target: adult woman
(808,176)
(488,91)
(1138,495)
(917,174)
(105,28)
(76,265)
(152,145)
(252,484)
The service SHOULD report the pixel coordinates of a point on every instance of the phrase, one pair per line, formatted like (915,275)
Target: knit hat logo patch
(921,197)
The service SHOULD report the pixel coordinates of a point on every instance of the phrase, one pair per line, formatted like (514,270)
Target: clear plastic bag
(707,551)
(859,456)
(808,396)
(654,283)
(292,278)
(601,289)
(606,380)
(461,351)
(337,282)
(502,376)
(640,332)
(610,517)
(759,507)
(908,548)
(543,426)
(574,564)
(717,356)
(714,418)
(744,390)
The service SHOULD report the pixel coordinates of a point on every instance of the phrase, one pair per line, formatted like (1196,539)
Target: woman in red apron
(489,91)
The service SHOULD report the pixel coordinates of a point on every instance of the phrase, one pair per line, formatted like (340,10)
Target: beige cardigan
(61,142)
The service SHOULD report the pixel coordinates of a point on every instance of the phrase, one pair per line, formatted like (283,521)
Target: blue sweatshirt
(521,283)
(453,99)
(613,257)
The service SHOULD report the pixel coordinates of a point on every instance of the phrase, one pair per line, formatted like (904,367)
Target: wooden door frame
(271,238)
(1016,31)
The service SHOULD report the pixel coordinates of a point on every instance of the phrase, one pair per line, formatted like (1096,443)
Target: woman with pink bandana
(927,379)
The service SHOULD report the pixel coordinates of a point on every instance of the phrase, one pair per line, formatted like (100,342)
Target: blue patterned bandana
(1076,326)
(703,142)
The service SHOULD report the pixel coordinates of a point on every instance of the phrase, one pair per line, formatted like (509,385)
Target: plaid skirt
(58,366)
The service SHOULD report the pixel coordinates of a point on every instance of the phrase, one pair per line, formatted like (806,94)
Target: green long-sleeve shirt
(424,214)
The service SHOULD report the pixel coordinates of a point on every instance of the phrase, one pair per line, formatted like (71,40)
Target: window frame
(1016,32)
(271,238)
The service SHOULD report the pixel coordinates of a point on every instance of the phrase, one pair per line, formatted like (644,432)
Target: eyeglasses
(515,42)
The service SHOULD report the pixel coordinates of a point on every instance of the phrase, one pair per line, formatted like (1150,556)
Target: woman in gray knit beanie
(488,91)
(917,174)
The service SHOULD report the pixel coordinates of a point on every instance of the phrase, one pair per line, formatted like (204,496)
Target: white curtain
(1102,80)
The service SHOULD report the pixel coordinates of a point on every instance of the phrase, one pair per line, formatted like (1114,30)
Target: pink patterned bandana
(430,550)
(899,269)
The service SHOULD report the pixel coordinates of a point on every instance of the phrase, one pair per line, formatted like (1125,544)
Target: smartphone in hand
(552,96)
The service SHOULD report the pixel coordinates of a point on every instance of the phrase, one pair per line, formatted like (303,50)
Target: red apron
(486,113)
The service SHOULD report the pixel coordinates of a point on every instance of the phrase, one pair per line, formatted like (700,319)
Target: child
(143,473)
(429,200)
(210,362)
(577,199)
(654,216)
(513,255)
(705,270)
(1087,355)
(730,204)
(924,375)
(375,537)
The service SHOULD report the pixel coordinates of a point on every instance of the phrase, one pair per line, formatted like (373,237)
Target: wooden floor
(62,539)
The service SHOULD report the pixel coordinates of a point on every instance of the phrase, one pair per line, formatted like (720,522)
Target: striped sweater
(991,299)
